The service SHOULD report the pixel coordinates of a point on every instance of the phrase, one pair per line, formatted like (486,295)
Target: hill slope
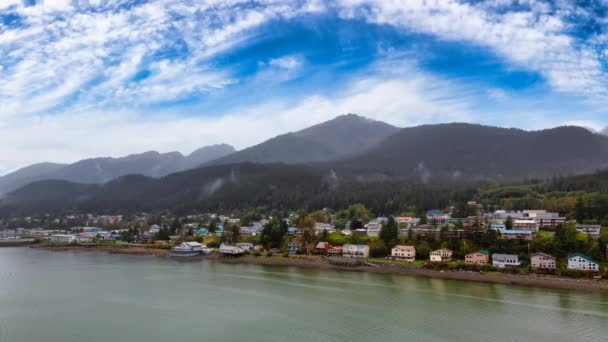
(101,170)
(344,136)
(465,150)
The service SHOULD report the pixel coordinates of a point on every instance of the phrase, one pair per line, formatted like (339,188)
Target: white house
(321,227)
(592,230)
(355,251)
(230,250)
(542,261)
(505,260)
(581,262)
(245,246)
(374,227)
(441,255)
(63,238)
(407,253)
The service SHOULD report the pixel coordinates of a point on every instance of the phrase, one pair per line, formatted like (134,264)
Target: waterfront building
(63,238)
(407,253)
(441,255)
(355,251)
(481,257)
(505,260)
(229,250)
(581,262)
(543,261)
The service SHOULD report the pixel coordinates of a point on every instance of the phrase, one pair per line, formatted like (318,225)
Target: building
(526,224)
(230,250)
(322,247)
(321,227)
(335,251)
(544,218)
(407,253)
(581,262)
(543,261)
(355,251)
(592,230)
(374,227)
(481,257)
(63,238)
(154,229)
(517,234)
(505,260)
(441,255)
(245,246)
(294,247)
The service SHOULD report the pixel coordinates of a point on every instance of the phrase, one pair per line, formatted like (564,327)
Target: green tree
(235,233)
(212,227)
(509,223)
(390,233)
(579,210)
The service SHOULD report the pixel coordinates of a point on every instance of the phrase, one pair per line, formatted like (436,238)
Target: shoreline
(316,262)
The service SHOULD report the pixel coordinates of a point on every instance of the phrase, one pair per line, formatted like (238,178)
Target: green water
(82,296)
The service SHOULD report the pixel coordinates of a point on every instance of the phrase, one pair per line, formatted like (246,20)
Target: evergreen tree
(389,233)
(509,223)
(212,227)
(235,233)
(579,210)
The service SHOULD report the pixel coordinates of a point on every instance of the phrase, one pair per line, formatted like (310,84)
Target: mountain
(425,166)
(222,188)
(101,170)
(466,150)
(604,131)
(341,137)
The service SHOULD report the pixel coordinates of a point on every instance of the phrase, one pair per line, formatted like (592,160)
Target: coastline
(316,262)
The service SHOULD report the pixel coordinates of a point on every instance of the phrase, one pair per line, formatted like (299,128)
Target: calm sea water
(71,296)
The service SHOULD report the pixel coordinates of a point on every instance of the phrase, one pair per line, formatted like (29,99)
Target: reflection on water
(49,296)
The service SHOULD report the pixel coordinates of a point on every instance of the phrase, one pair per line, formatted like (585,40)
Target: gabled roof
(582,256)
(405,248)
(483,251)
(543,254)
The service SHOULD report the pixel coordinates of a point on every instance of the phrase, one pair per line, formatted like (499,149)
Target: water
(83,296)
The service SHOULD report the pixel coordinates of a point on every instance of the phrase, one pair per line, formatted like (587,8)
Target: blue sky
(87,78)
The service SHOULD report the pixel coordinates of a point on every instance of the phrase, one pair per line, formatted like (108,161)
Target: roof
(543,254)
(513,231)
(582,256)
(322,244)
(502,256)
(405,248)
(483,251)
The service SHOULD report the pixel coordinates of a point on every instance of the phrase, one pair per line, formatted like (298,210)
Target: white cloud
(531,39)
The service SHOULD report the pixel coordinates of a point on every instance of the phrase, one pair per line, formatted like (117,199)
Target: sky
(91,78)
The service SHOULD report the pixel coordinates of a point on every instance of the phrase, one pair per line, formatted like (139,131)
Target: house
(581,262)
(294,247)
(63,238)
(592,230)
(293,231)
(481,257)
(374,227)
(407,253)
(441,255)
(542,261)
(335,251)
(355,251)
(154,229)
(505,260)
(202,231)
(322,247)
(230,250)
(526,224)
(245,246)
(321,227)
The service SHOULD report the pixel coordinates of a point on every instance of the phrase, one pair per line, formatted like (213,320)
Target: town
(498,241)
